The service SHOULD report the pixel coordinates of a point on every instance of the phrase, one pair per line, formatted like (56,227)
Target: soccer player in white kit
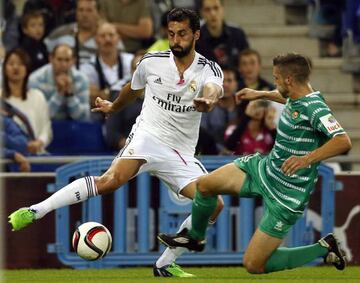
(179,84)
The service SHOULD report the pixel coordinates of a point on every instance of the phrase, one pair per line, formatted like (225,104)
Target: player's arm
(337,145)
(211,94)
(126,96)
(250,94)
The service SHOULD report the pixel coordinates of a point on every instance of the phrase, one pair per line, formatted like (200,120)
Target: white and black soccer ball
(92,241)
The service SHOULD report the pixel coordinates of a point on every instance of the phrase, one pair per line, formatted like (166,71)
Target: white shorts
(176,170)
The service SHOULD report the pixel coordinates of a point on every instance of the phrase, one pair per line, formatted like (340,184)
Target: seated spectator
(219,41)
(162,43)
(33,28)
(254,134)
(28,106)
(55,12)
(15,142)
(110,69)
(65,88)
(118,125)
(79,35)
(250,70)
(216,121)
(132,20)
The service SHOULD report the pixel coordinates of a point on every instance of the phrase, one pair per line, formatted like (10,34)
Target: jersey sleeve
(322,120)
(213,74)
(138,80)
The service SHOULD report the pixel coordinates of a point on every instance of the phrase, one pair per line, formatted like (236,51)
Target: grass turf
(205,274)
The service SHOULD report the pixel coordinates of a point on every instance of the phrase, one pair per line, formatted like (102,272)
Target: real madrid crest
(193,87)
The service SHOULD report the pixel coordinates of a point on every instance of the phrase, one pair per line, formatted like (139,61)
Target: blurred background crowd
(57,56)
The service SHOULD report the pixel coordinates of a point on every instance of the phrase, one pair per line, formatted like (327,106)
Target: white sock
(170,255)
(75,192)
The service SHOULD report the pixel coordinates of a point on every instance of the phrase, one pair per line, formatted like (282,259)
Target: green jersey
(305,124)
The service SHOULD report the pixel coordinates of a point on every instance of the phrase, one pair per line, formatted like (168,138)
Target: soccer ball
(92,241)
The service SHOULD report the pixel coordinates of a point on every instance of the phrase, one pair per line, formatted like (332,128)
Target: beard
(181,52)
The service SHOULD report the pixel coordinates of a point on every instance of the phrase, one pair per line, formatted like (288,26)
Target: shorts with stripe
(173,168)
(277,220)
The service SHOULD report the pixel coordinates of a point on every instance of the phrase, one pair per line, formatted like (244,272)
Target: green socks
(288,258)
(202,209)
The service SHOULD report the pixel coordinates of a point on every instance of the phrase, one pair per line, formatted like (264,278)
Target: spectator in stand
(56,12)
(132,19)
(33,28)
(219,41)
(255,133)
(250,77)
(79,35)
(29,106)
(118,125)
(15,142)
(249,70)
(224,113)
(65,88)
(110,69)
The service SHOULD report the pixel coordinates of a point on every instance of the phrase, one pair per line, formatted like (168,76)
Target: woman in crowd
(31,111)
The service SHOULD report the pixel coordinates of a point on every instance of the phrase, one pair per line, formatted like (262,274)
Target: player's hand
(293,164)
(202,104)
(102,105)
(247,94)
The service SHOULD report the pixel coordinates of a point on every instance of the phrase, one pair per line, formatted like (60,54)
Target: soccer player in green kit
(307,134)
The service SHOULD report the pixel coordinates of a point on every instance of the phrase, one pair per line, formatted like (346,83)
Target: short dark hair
(182,14)
(31,15)
(249,51)
(25,59)
(296,65)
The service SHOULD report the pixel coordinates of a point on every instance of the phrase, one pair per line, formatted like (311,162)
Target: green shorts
(277,220)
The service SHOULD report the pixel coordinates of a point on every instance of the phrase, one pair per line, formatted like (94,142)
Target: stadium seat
(77,138)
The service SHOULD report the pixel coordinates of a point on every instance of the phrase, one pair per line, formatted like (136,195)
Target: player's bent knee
(253,267)
(202,187)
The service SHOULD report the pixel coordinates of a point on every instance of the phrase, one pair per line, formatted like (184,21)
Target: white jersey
(168,112)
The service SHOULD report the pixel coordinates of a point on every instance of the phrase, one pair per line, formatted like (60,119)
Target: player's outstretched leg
(120,171)
(264,256)
(77,191)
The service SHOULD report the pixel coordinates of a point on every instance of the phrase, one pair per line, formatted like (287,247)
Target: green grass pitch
(204,274)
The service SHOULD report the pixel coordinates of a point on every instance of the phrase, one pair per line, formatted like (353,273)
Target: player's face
(213,12)
(35,28)
(15,69)
(62,60)
(280,82)
(181,38)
